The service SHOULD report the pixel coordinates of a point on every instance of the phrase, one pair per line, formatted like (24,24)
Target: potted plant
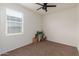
(39,35)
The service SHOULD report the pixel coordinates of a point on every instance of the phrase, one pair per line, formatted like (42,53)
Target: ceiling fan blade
(51,5)
(39,8)
(39,4)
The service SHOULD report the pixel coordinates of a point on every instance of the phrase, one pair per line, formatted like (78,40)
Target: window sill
(14,34)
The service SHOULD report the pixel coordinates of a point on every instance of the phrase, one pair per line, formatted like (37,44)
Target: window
(14,22)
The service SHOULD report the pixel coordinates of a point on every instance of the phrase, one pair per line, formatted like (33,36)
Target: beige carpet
(44,48)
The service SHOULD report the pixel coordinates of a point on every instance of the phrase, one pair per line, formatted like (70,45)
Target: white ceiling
(59,6)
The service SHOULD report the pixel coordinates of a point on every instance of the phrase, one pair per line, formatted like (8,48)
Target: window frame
(10,34)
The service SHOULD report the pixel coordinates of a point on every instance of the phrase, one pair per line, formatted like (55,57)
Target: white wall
(0,28)
(32,23)
(77,31)
(60,26)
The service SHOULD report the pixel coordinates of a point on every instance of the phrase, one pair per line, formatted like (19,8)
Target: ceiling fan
(44,6)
